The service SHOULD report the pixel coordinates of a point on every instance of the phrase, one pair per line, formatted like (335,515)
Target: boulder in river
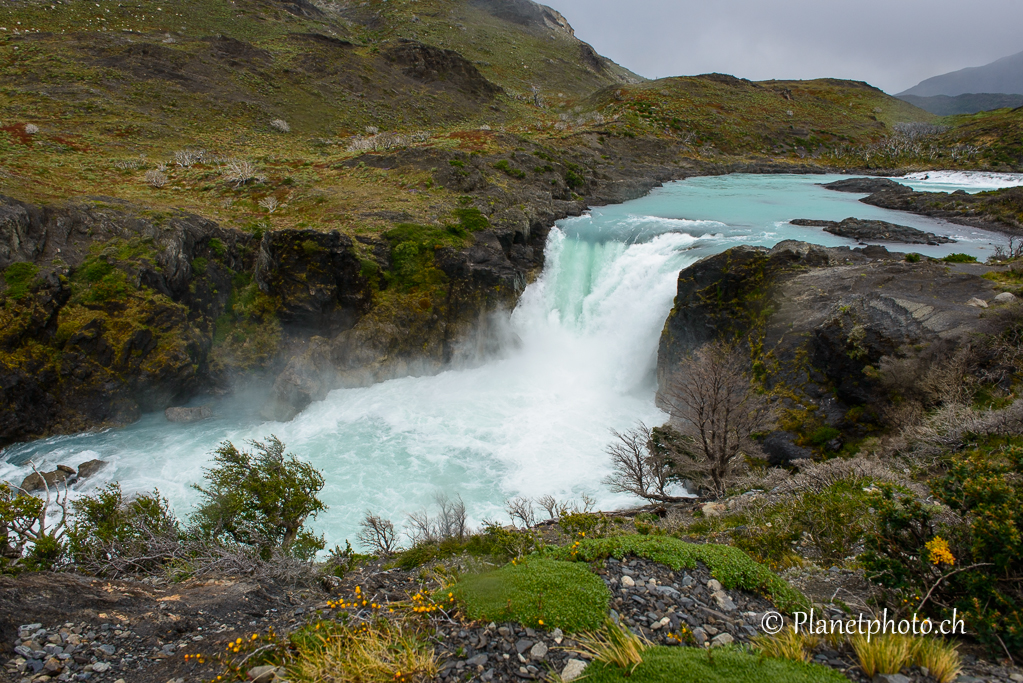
(868,230)
(37,481)
(195,414)
(90,467)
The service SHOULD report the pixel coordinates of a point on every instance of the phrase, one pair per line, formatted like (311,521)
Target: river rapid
(536,418)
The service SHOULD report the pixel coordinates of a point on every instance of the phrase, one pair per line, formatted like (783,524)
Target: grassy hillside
(119,91)
(996,137)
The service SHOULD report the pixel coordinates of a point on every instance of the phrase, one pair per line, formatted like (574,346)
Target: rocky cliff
(823,321)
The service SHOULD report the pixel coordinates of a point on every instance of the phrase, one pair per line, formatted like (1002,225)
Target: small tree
(261,499)
(640,467)
(715,413)
(377,533)
(28,540)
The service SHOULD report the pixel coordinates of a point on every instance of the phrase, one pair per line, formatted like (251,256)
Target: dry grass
(939,657)
(884,654)
(788,644)
(614,645)
(365,654)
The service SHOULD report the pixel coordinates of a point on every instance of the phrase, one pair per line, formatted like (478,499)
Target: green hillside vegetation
(173,103)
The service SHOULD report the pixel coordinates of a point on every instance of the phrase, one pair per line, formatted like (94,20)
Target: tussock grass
(787,645)
(614,645)
(885,654)
(940,657)
(381,653)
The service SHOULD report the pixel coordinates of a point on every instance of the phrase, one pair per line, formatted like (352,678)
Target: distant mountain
(971,103)
(1002,76)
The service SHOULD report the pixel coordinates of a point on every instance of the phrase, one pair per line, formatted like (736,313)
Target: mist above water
(533,420)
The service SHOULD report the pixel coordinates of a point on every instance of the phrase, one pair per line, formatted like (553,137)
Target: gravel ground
(675,608)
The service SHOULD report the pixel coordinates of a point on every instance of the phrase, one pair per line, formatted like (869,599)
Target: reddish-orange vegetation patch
(472,139)
(17,131)
(68,141)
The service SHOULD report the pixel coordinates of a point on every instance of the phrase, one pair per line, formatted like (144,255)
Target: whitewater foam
(970,181)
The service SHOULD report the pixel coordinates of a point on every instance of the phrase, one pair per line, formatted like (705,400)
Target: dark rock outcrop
(866,185)
(439,67)
(825,316)
(867,230)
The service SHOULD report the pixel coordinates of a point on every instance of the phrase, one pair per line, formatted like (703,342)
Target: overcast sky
(892,44)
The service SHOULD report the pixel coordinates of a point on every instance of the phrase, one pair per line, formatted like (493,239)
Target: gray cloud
(892,44)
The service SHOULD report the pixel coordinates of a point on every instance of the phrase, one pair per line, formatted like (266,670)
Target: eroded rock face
(828,316)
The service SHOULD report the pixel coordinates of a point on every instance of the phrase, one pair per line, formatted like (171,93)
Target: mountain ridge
(1003,75)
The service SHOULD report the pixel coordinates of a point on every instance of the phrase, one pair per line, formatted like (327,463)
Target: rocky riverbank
(998,211)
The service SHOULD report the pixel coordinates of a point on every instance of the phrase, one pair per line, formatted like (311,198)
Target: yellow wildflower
(940,552)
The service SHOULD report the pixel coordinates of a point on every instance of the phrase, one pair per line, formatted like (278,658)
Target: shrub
(536,592)
(959,258)
(971,561)
(114,535)
(716,665)
(19,277)
(260,499)
(503,165)
(156,178)
(574,180)
(29,538)
(913,258)
(731,566)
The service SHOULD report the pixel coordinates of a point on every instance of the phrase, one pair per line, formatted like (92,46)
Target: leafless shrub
(280,125)
(639,469)
(715,411)
(130,164)
(372,130)
(950,424)
(450,522)
(382,142)
(31,129)
(939,375)
(521,508)
(817,476)
(377,533)
(156,178)
(188,157)
(241,172)
(917,130)
(551,505)
(269,203)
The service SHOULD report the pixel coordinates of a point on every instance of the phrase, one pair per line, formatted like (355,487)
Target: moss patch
(731,566)
(19,277)
(725,665)
(536,592)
